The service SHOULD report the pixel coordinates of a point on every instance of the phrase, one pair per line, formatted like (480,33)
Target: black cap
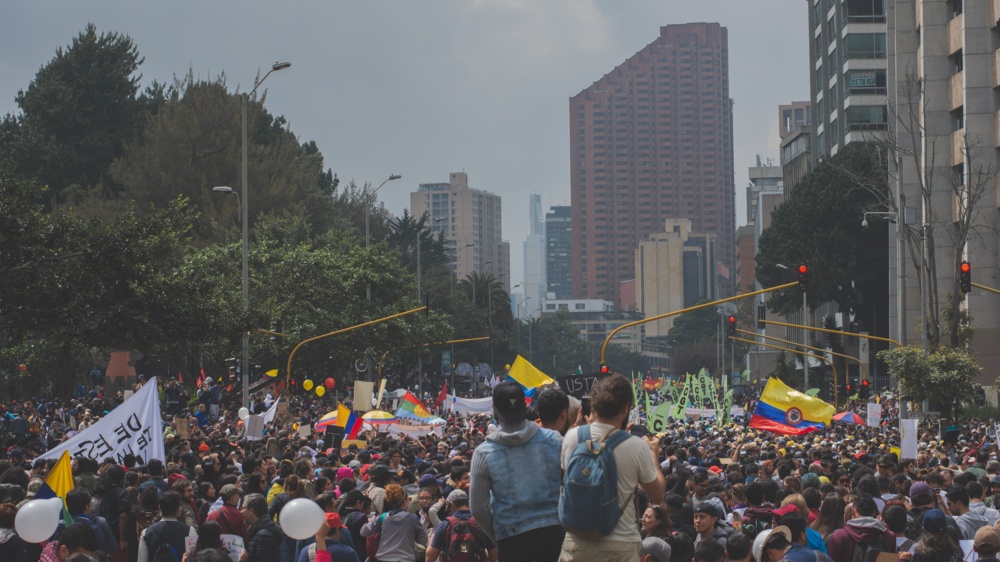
(508,402)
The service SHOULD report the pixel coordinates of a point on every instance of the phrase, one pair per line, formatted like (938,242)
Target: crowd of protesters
(489,487)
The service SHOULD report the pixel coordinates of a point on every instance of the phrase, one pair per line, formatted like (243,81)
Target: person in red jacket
(862,529)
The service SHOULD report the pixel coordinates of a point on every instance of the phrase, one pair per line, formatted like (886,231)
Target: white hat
(208,379)
(764,536)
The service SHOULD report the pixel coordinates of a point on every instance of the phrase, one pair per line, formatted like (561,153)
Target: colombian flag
(341,417)
(528,376)
(786,411)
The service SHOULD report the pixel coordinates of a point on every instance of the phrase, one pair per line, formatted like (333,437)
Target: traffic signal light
(761,315)
(732,326)
(803,277)
(965,276)
(848,389)
(864,390)
(605,370)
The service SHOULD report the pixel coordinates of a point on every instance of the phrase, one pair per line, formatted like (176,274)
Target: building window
(864,11)
(866,82)
(832,61)
(866,118)
(865,46)
(580,306)
(831,30)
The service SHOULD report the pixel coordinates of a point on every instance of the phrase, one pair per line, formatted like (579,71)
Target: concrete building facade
(674,270)
(847,54)
(471,220)
(650,141)
(944,77)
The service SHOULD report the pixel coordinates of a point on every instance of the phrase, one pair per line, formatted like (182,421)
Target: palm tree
(485,291)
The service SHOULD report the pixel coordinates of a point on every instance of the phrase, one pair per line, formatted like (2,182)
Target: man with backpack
(514,485)
(163,541)
(458,538)
(603,465)
(863,537)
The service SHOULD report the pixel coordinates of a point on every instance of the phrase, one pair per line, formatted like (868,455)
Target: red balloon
(330,383)
(22,367)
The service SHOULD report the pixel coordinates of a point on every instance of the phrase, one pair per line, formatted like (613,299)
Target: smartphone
(638,430)
(585,408)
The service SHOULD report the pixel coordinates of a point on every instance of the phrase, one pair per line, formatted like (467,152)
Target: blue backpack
(588,503)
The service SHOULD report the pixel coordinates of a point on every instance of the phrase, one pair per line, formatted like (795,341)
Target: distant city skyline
(424,89)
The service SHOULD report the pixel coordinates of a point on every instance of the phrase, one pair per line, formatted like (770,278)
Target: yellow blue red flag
(784,410)
(527,375)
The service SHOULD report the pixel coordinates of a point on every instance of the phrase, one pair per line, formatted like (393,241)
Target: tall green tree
(820,222)
(77,114)
(193,144)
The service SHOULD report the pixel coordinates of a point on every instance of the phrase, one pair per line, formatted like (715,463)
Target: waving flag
(342,417)
(410,407)
(786,411)
(442,395)
(528,376)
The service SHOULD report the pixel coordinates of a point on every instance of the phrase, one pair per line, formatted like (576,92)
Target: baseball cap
(709,509)
(508,402)
(934,520)
(657,548)
(921,493)
(458,496)
(987,536)
(428,480)
(333,520)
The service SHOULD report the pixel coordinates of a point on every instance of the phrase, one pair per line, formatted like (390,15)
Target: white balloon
(244,414)
(301,518)
(374,402)
(37,520)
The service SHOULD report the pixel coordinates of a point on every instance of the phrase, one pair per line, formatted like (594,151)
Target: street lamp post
(420,295)
(245,207)
(368,284)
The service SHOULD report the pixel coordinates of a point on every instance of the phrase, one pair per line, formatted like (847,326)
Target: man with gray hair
(264,535)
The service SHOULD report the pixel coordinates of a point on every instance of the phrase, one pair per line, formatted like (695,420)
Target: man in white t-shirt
(637,464)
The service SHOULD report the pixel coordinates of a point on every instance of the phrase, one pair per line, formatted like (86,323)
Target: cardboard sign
(362,445)
(181,427)
(305,430)
(579,385)
(255,427)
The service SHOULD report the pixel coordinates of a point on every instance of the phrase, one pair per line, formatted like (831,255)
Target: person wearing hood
(863,528)
(968,521)
(709,518)
(520,468)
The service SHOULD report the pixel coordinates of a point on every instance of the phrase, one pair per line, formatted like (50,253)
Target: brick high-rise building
(652,140)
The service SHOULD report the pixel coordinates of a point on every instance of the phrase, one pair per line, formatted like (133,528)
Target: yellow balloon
(320,390)
(307,384)
(295,426)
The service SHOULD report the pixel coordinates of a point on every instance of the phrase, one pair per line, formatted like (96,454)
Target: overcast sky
(424,88)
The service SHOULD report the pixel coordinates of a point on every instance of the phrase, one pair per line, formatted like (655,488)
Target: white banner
(908,439)
(255,427)
(874,415)
(466,406)
(133,427)
(268,416)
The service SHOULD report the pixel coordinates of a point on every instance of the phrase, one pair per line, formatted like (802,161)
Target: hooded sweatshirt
(400,531)
(970,522)
(862,530)
(991,515)
(515,479)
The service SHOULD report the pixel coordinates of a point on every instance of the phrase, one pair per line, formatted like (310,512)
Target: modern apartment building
(944,86)
(470,220)
(795,130)
(558,251)
(847,55)
(652,140)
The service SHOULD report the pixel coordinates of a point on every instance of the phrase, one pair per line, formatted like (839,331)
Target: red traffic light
(803,269)
(864,382)
(605,369)
(966,267)
(732,319)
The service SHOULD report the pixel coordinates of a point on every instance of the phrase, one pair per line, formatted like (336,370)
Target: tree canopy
(820,223)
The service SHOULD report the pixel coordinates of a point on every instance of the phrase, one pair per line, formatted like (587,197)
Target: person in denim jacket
(519,466)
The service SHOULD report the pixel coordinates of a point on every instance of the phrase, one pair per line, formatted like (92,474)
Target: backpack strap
(615,438)
(312,552)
